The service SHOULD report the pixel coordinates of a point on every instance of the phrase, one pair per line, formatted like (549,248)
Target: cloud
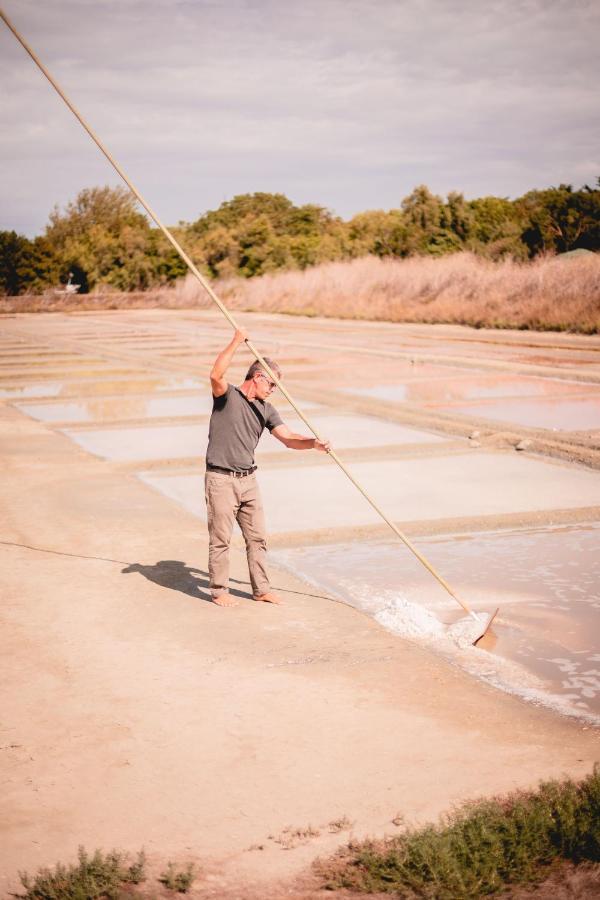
(346,103)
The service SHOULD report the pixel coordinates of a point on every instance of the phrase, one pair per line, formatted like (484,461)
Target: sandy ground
(136,713)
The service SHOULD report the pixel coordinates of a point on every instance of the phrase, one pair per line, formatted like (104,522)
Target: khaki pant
(230,499)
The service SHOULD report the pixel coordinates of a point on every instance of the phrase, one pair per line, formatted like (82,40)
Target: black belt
(231,471)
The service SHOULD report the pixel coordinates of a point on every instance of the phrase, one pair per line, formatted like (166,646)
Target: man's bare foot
(225,600)
(269,598)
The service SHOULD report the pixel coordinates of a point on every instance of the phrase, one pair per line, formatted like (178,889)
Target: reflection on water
(35,362)
(115,408)
(24,374)
(546,644)
(468,387)
(582,414)
(350,431)
(143,443)
(107,386)
(39,389)
(179,440)
(344,373)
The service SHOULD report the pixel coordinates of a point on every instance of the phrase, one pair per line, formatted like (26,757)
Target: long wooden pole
(197,274)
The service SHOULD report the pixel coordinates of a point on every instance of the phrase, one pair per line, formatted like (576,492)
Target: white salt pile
(409,620)
(414,621)
(467,630)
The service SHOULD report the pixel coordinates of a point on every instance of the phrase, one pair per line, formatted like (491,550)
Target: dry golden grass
(548,294)
(55,302)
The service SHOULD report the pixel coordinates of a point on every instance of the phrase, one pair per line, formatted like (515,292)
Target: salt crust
(415,623)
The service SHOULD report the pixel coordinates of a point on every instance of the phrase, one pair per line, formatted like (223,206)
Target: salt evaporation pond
(69,387)
(461,387)
(545,645)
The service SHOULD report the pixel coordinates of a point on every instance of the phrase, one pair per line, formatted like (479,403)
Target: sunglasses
(268,380)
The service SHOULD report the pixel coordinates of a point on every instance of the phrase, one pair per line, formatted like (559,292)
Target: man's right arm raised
(222,362)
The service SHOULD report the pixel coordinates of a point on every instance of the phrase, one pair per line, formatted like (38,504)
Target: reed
(552,293)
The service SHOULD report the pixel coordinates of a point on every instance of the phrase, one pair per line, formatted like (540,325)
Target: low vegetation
(503,846)
(100,875)
(341,824)
(481,848)
(293,836)
(176,879)
(551,293)
(559,293)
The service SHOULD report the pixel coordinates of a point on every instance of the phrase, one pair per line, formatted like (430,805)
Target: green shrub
(179,880)
(481,847)
(98,876)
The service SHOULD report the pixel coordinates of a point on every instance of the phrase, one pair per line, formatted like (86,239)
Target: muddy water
(545,644)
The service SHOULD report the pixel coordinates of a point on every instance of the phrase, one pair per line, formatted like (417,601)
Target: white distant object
(69,287)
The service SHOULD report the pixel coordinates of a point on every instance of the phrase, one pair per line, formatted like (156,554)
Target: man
(239,416)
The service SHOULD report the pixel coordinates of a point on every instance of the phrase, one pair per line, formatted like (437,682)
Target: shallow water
(468,387)
(545,644)
(75,388)
(36,361)
(104,371)
(179,441)
(348,431)
(581,414)
(115,408)
(475,483)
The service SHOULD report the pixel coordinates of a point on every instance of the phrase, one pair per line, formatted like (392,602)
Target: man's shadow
(175,575)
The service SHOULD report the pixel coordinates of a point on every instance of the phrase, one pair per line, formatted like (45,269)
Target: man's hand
(323,446)
(240,336)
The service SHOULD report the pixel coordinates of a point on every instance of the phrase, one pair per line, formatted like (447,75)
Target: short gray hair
(257,367)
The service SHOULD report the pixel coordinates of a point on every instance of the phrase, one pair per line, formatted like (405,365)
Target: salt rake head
(469,630)
(487,626)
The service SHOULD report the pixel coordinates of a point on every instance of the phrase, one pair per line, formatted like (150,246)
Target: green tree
(428,224)
(261,232)
(377,232)
(560,219)
(275,208)
(105,237)
(26,266)
(15,251)
(457,216)
(497,228)
(260,249)
(167,264)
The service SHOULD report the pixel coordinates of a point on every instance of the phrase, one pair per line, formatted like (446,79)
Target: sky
(345,103)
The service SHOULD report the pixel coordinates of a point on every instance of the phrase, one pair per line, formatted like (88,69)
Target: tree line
(105,243)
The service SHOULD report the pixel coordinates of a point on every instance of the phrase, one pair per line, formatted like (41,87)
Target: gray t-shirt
(236,425)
